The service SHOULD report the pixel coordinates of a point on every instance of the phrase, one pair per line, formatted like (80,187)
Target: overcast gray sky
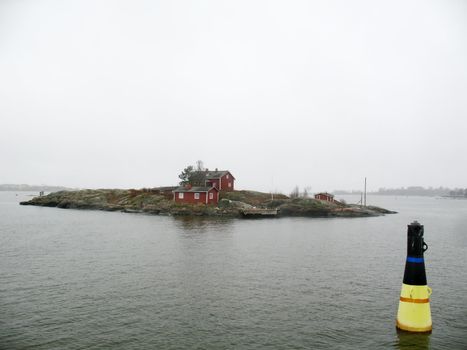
(282,93)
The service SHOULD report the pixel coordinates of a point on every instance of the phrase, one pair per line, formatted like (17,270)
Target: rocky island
(231,204)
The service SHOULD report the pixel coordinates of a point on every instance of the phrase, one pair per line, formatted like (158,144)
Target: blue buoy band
(414,273)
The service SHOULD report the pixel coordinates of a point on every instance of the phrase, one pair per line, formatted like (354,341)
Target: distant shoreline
(33,188)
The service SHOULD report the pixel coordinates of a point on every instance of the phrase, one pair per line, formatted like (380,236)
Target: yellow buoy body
(414,313)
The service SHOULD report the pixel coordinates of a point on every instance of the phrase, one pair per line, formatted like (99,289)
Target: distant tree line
(458,192)
(24,187)
(414,191)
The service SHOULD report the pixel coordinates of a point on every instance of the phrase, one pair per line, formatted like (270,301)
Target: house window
(211,195)
(227,176)
(180,195)
(230,184)
(196,195)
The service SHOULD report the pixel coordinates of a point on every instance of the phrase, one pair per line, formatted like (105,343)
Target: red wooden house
(194,195)
(221,179)
(324,196)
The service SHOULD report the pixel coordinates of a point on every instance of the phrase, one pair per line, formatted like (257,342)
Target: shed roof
(324,194)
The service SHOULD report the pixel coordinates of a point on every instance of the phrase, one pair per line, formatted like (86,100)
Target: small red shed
(194,195)
(324,196)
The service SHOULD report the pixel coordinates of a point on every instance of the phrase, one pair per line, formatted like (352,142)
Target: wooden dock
(259,213)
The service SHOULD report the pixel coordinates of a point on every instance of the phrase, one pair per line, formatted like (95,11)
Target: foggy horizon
(320,95)
(310,190)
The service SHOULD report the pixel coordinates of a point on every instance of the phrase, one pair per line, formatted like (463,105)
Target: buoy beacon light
(414,313)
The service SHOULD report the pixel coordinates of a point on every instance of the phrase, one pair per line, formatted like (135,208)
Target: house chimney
(188,186)
(216,169)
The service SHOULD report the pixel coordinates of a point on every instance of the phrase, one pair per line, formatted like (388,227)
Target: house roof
(195,189)
(217,174)
(207,174)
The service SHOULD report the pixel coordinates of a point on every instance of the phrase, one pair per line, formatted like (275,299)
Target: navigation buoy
(414,313)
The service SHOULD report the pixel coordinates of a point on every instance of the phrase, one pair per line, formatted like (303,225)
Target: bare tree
(199,165)
(306,191)
(295,192)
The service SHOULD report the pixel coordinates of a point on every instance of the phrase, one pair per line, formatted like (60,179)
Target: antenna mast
(364,197)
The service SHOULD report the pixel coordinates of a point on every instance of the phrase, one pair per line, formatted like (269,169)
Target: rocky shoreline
(159,202)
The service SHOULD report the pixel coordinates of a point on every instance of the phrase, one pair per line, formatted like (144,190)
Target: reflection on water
(413,341)
(200,223)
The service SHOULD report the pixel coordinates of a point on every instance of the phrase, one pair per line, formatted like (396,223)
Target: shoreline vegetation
(159,201)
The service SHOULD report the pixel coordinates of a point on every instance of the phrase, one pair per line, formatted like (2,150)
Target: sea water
(75,279)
